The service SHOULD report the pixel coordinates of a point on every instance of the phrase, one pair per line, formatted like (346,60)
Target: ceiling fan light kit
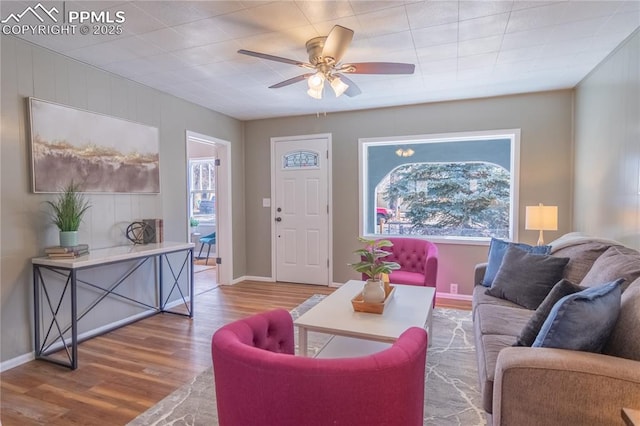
(325,54)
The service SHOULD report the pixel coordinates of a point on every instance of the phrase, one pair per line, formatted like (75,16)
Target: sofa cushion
(487,356)
(582,321)
(530,331)
(497,250)
(526,278)
(624,341)
(481,298)
(581,258)
(505,320)
(616,262)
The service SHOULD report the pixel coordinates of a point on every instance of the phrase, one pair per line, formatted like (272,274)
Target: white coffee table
(410,306)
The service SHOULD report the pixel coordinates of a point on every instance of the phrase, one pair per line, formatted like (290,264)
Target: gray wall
(607,153)
(545,168)
(28,70)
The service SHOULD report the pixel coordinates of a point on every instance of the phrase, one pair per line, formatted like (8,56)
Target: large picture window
(458,186)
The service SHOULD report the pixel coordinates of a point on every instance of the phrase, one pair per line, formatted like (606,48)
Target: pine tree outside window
(449,187)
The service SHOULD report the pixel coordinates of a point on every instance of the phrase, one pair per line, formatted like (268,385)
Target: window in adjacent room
(458,186)
(203,189)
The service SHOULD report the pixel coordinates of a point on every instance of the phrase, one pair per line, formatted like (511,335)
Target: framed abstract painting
(98,152)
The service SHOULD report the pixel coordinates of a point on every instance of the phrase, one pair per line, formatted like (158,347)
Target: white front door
(301,209)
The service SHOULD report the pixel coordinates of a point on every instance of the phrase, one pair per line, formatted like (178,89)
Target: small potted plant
(372,265)
(67,212)
(193,224)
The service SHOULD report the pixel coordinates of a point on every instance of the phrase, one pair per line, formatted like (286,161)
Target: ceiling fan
(325,54)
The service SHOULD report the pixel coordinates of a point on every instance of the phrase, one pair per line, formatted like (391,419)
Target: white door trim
(274,141)
(224,194)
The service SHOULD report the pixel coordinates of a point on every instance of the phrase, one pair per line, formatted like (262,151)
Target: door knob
(278,219)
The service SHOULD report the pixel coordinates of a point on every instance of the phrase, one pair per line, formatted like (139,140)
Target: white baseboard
(253,278)
(452,296)
(14,362)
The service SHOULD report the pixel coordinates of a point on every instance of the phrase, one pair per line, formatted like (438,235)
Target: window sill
(467,241)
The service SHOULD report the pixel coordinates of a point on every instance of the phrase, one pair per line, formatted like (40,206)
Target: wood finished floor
(123,373)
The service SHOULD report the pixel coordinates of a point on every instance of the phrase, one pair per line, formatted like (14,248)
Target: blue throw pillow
(582,321)
(497,249)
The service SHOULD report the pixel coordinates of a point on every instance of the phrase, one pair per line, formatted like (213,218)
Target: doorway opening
(208,209)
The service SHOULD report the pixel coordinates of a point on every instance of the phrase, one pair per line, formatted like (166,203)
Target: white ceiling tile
(431,13)
(258,20)
(518,55)
(483,27)
(385,21)
(525,39)
(202,32)
(321,11)
(622,23)
(136,21)
(479,45)
(361,7)
(432,36)
(478,9)
(535,17)
(578,11)
(486,60)
(437,67)
(436,53)
(575,30)
(167,38)
(210,53)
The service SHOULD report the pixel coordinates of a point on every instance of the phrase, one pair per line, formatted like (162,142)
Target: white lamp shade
(315,93)
(541,218)
(338,86)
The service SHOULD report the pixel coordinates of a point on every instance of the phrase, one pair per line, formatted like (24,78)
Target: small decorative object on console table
(68,210)
(372,265)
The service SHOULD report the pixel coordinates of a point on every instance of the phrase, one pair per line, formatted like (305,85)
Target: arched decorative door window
(300,160)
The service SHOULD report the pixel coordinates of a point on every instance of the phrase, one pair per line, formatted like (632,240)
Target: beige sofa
(541,386)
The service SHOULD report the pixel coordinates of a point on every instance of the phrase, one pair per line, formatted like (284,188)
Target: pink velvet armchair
(418,261)
(259,380)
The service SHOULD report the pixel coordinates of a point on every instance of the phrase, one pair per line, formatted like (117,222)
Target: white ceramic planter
(373,291)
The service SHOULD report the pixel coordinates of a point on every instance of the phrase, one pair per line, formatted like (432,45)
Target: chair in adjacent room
(259,380)
(418,261)
(208,240)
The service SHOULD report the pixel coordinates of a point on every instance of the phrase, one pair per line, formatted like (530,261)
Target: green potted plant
(67,212)
(193,222)
(372,265)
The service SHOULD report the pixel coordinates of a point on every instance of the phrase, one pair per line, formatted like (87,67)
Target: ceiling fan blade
(337,42)
(291,81)
(378,68)
(353,89)
(274,58)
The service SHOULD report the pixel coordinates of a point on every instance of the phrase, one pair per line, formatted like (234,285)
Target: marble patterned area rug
(451,386)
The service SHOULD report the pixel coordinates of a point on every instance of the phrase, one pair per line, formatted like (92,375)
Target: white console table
(68,268)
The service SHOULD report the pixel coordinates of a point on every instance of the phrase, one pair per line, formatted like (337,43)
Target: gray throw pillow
(525,278)
(616,262)
(532,328)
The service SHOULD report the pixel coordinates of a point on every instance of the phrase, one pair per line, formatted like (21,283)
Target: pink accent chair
(259,380)
(418,261)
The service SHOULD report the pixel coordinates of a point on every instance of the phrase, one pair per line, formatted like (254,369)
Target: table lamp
(541,218)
